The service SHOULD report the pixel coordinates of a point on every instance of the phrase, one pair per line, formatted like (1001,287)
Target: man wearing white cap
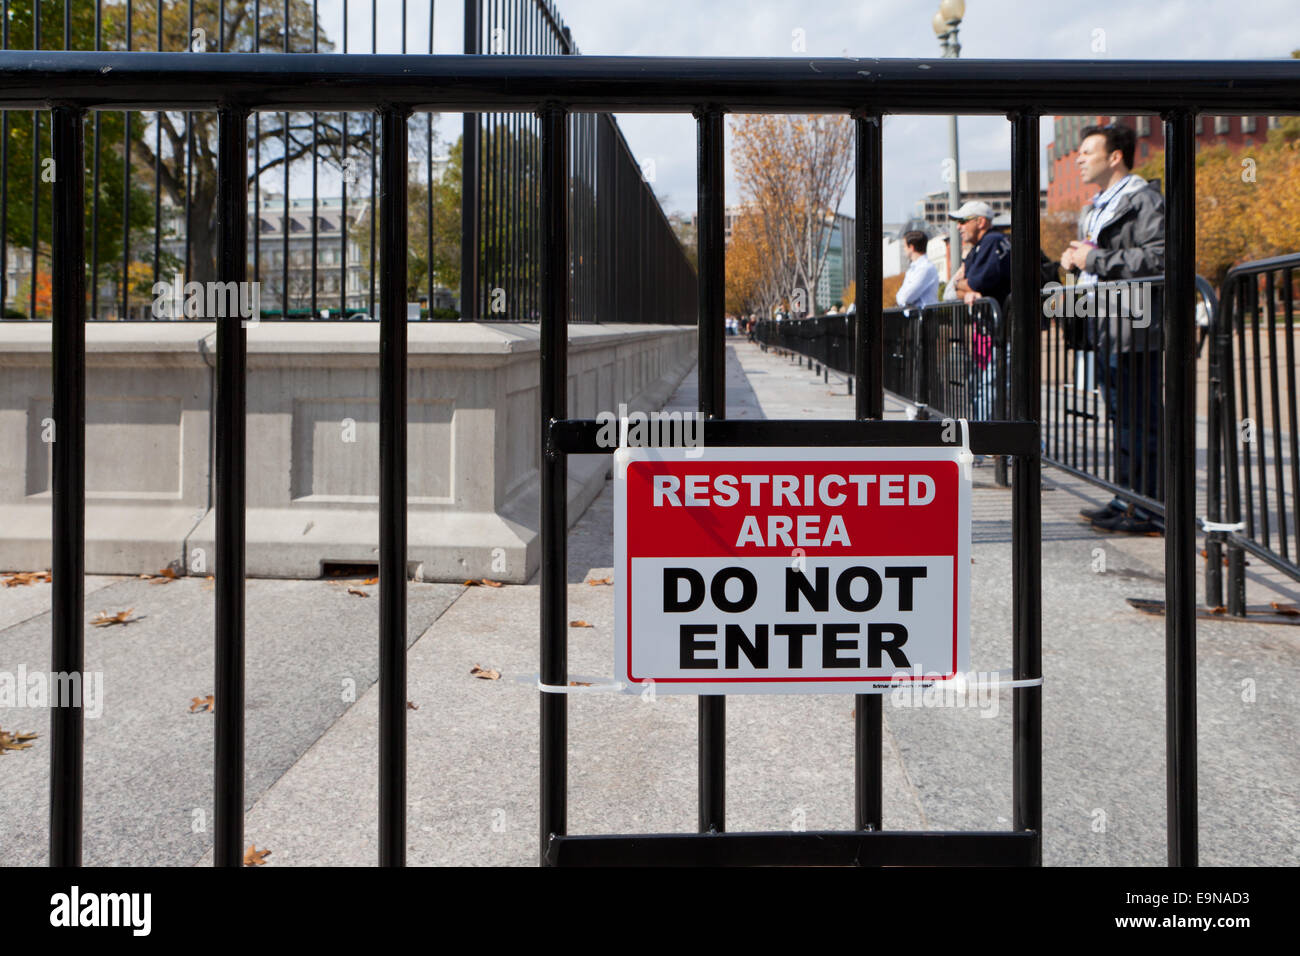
(985,272)
(987,266)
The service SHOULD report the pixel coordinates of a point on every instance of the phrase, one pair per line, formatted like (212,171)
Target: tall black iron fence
(236,84)
(628,264)
(1253,449)
(313,177)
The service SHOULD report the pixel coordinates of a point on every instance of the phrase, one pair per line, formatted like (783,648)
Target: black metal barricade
(1103,416)
(948,359)
(237,84)
(1253,451)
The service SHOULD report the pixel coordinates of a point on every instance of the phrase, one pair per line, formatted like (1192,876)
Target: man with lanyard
(1122,236)
(985,273)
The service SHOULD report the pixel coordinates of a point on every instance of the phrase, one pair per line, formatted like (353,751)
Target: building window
(1198,127)
(1248,124)
(1274,122)
(1144,126)
(1222,125)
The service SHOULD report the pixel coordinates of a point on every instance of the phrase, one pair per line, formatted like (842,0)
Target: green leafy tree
(158,140)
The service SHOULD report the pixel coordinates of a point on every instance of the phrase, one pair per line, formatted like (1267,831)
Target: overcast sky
(914,146)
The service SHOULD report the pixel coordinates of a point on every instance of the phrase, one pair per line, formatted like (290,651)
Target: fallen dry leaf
(370,581)
(471,584)
(358,592)
(255,857)
(412,705)
(26,578)
(580,624)
(579,683)
(199,704)
(1219,610)
(13,741)
(104,619)
(164,576)
(1288,609)
(484,673)
(597,582)
(490,583)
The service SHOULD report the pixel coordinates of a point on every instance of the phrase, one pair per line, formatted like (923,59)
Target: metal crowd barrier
(1103,406)
(948,359)
(1253,452)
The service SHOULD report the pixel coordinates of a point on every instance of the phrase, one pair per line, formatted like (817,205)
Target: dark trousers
(1134,390)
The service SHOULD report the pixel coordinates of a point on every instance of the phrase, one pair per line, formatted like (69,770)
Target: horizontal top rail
(1259,266)
(331,81)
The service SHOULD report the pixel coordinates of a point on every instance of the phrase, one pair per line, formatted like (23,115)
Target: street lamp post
(945,23)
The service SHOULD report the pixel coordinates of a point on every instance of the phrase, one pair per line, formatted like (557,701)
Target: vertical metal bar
(1232,471)
(344,226)
(1288,285)
(1026,516)
(1275,407)
(711,187)
(392,497)
(157,158)
(554,407)
(315,161)
(126,192)
(1214,459)
(428,191)
(869,402)
(257,151)
(68,486)
(374,213)
(1258,378)
(469,189)
(1240,288)
(1180,486)
(230,427)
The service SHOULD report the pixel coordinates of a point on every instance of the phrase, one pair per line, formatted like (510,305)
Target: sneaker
(1126,522)
(1101,514)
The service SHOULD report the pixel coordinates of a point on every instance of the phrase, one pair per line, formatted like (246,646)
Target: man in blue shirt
(921,284)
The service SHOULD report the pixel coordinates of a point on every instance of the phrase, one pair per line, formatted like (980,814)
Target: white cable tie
(1208,525)
(964,457)
(969,684)
(592,687)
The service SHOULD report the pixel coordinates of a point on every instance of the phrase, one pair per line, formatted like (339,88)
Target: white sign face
(790,570)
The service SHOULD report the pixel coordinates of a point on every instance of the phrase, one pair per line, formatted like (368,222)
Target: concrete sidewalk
(472,745)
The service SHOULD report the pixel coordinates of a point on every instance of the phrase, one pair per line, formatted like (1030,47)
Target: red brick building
(1065,191)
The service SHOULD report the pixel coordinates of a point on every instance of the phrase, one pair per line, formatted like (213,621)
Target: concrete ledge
(313,457)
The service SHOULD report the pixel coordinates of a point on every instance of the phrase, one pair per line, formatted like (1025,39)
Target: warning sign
(790,570)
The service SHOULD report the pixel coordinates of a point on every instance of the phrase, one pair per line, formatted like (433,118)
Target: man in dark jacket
(1122,236)
(985,273)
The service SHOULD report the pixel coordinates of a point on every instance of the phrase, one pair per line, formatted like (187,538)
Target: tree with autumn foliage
(1247,200)
(794,172)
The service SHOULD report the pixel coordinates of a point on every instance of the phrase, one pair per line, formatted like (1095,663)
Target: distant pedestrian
(921,283)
